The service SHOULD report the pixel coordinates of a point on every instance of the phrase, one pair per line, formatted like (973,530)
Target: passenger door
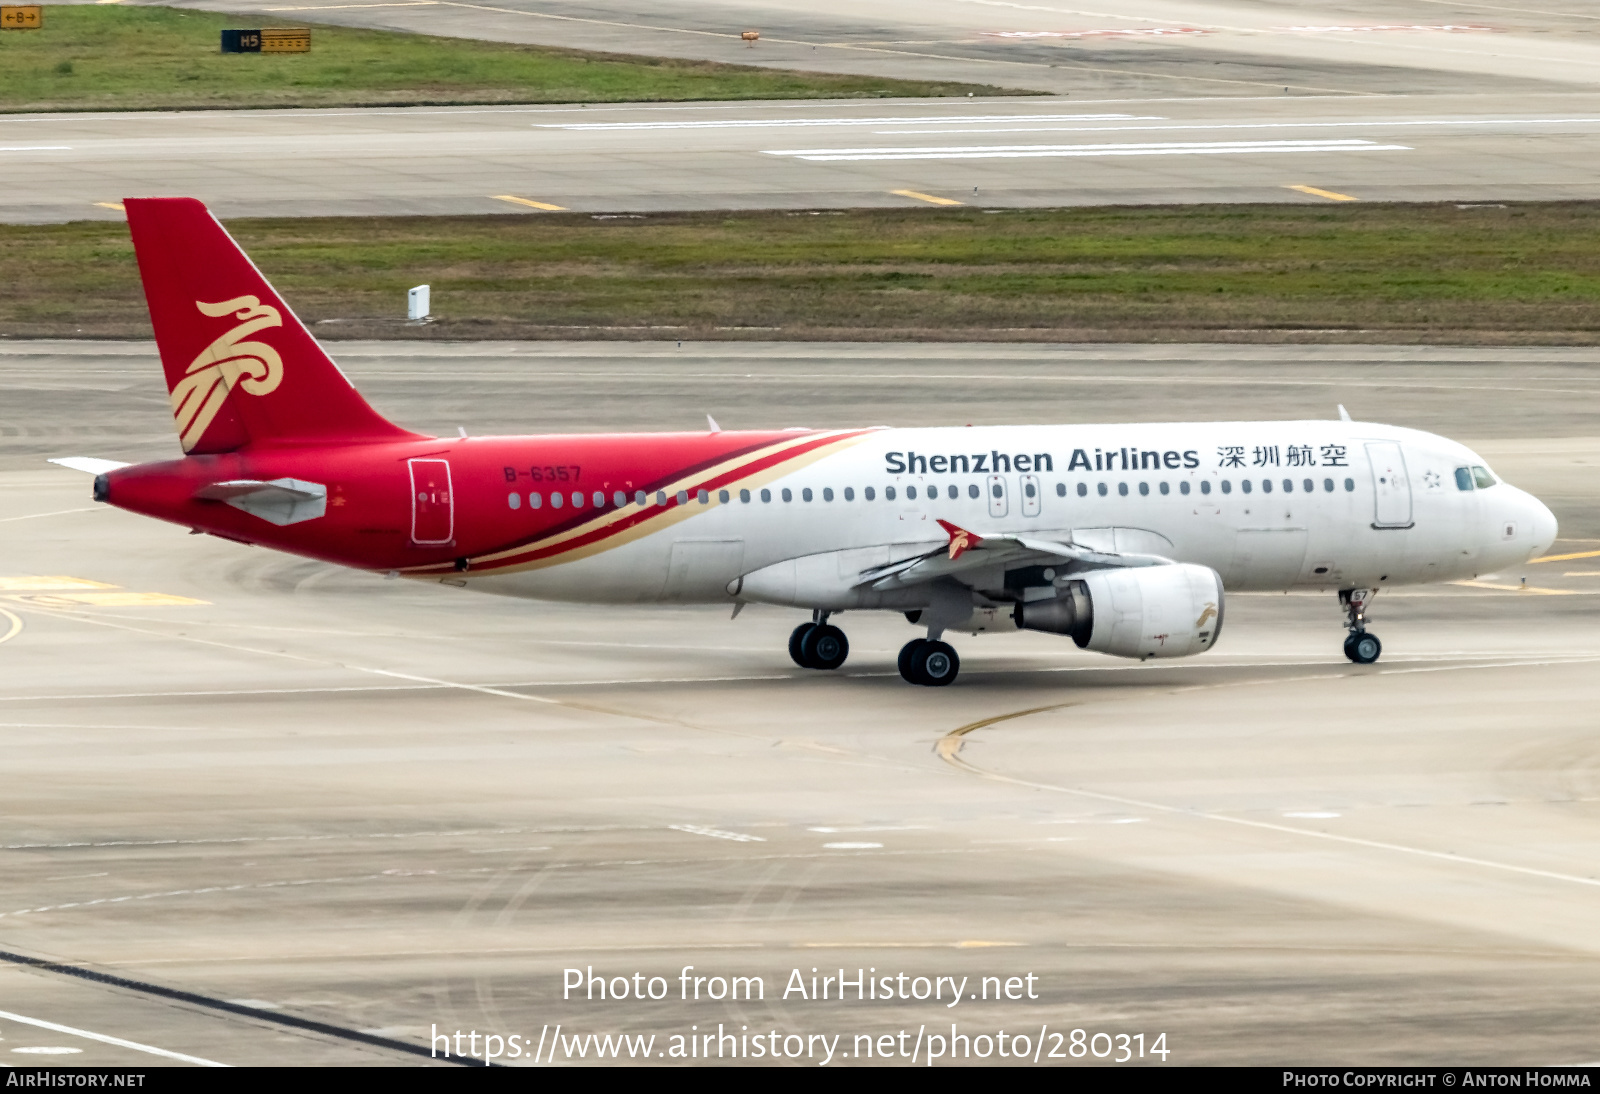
(433,510)
(1391,485)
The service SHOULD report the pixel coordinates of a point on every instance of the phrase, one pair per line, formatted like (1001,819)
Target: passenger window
(805,495)
(1183,488)
(683,497)
(888,493)
(722,496)
(599,499)
(514,500)
(661,497)
(766,495)
(557,499)
(787,495)
(1288,486)
(535,501)
(1308,486)
(640,498)
(1243,485)
(849,493)
(1266,486)
(827,493)
(1349,486)
(1122,489)
(867,493)
(973,491)
(1165,489)
(1482,478)
(1100,487)
(1463,478)
(911,493)
(997,490)
(1083,490)
(1327,484)
(1205,486)
(1061,489)
(1144,490)
(703,497)
(1227,487)
(953,492)
(619,499)
(744,496)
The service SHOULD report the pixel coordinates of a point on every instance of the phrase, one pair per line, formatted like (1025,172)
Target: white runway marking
(1370,123)
(1049,151)
(765,123)
(105,1039)
(716,833)
(54,513)
(35,148)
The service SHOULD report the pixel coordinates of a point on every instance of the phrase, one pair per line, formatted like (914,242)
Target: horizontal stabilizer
(280,501)
(89,464)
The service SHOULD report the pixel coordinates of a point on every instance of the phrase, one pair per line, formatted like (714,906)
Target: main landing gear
(1362,646)
(818,645)
(931,664)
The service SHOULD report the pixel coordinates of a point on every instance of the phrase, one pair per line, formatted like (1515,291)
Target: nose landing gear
(818,645)
(1361,646)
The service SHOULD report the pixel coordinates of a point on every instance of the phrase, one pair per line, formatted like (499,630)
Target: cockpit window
(1481,476)
(1463,478)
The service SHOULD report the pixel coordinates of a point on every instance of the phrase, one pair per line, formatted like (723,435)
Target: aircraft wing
(969,551)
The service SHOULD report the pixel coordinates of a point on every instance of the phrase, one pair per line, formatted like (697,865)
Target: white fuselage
(1268,505)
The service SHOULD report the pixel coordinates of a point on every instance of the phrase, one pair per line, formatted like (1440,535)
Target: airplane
(1122,538)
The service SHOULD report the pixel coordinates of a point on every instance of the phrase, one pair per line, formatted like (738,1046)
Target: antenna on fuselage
(1344,415)
(712,423)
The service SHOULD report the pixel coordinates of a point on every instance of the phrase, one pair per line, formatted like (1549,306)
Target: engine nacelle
(1148,611)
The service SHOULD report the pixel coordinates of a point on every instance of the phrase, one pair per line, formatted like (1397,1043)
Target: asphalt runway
(1154,47)
(282,793)
(807,155)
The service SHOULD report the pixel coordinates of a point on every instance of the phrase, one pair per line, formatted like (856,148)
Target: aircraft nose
(1543,524)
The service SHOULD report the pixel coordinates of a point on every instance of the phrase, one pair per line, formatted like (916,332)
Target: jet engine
(1148,611)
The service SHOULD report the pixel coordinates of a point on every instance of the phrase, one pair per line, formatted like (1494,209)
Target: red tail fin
(240,367)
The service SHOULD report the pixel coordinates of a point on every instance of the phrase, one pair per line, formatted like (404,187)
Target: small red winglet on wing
(961,540)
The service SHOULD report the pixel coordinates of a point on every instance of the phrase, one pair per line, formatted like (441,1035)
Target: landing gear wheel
(1363,647)
(797,641)
(908,653)
(930,664)
(824,647)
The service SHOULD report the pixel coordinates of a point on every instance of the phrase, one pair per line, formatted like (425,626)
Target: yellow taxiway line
(1329,194)
(530,203)
(1517,588)
(117,205)
(1564,558)
(929,198)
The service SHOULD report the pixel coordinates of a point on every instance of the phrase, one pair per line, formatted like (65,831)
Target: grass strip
(1518,274)
(108,57)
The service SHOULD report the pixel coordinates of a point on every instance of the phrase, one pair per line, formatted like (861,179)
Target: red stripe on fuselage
(773,454)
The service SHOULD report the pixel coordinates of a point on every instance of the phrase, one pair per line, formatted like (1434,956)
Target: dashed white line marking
(1370,123)
(109,1040)
(1050,151)
(716,833)
(773,123)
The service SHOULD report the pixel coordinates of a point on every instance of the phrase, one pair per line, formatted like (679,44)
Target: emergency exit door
(433,507)
(998,502)
(1391,485)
